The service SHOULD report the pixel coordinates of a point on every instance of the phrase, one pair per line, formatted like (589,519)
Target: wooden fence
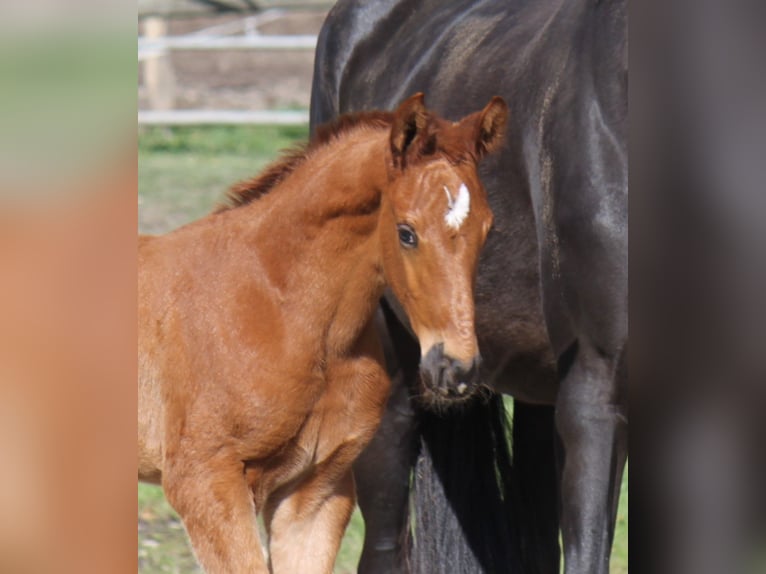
(240,34)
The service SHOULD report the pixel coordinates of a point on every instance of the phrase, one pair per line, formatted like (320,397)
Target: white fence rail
(175,8)
(219,117)
(256,42)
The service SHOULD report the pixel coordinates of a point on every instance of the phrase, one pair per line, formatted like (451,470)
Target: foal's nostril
(469,377)
(449,377)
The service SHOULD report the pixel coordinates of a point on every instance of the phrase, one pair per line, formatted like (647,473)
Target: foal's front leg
(306,525)
(217,509)
(307,520)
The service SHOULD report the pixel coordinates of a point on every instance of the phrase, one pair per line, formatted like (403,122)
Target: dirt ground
(241,79)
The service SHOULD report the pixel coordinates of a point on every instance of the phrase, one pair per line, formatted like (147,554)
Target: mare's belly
(521,365)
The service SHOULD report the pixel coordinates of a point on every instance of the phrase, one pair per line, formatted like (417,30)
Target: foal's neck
(344,205)
(349,180)
(326,214)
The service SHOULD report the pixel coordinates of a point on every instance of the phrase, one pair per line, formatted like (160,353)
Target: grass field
(183,173)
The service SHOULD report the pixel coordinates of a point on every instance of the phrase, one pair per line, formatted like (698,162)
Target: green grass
(162,543)
(261,141)
(183,173)
(619,563)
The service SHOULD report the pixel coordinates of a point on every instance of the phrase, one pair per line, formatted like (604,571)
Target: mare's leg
(382,475)
(382,471)
(306,524)
(593,431)
(621,441)
(217,509)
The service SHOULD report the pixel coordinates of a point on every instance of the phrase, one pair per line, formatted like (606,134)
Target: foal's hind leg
(306,525)
(217,509)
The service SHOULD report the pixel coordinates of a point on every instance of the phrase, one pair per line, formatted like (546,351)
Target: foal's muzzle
(447,378)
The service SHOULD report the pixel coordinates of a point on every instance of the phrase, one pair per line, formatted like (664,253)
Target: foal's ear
(410,119)
(491,126)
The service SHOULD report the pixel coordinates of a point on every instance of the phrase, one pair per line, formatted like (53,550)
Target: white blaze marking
(458,208)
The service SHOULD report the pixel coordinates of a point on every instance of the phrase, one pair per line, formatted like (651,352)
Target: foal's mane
(249,190)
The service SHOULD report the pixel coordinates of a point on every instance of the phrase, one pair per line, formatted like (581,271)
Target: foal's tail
(476,509)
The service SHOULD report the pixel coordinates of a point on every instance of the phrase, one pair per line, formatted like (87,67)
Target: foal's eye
(407,236)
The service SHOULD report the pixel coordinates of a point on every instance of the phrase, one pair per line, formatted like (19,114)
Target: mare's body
(551,294)
(260,375)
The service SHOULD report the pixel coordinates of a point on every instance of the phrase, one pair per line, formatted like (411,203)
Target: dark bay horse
(261,377)
(551,292)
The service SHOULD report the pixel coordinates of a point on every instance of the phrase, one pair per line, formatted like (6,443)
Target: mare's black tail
(477,510)
(536,475)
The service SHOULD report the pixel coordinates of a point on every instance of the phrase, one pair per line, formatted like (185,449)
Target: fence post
(158,70)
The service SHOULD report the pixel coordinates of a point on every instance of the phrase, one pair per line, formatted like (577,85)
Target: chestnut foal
(261,377)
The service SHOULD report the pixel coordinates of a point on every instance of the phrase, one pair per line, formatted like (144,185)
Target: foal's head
(435,219)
